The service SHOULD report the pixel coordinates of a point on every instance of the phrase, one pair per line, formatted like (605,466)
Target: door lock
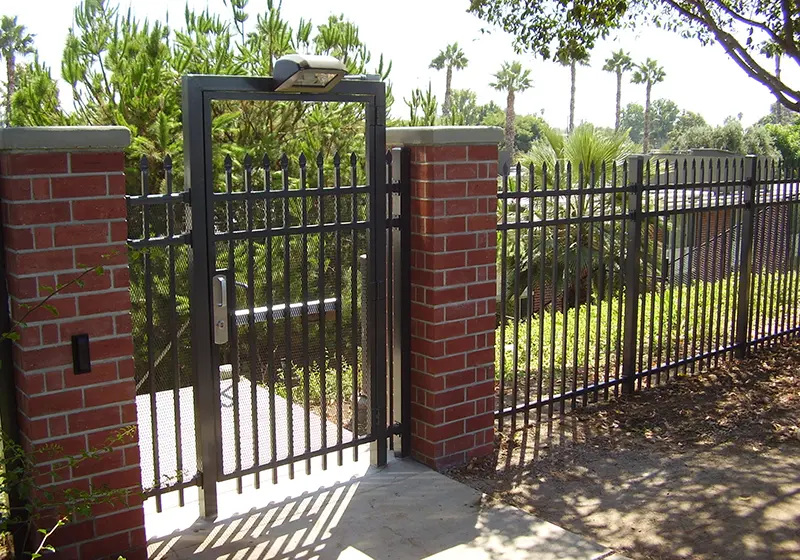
(220,294)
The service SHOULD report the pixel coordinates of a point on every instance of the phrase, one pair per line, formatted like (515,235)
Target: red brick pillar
(453,290)
(62,192)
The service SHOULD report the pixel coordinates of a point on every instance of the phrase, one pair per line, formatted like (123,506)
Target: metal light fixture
(307,73)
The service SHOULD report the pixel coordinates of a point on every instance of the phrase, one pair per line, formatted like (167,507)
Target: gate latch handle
(220,289)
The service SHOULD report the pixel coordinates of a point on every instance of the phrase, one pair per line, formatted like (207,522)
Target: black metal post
(746,257)
(376,175)
(8,401)
(404,301)
(632,272)
(198,170)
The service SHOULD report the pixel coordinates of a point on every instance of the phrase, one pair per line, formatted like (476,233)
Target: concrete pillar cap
(443,135)
(64,139)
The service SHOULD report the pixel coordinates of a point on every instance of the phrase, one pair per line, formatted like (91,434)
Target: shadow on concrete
(402,511)
(722,502)
(662,476)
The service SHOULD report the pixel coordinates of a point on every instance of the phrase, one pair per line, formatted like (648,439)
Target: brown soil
(705,467)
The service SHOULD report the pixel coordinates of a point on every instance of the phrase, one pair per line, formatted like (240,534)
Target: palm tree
(587,158)
(511,78)
(14,40)
(572,61)
(648,73)
(619,62)
(584,148)
(452,57)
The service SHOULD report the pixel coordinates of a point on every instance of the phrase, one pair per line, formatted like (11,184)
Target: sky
(411,32)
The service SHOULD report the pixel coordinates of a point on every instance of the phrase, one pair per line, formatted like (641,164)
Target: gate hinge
(187,238)
(186,197)
(379,293)
(394,429)
(380,116)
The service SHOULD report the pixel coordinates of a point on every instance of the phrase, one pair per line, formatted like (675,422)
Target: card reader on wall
(81,362)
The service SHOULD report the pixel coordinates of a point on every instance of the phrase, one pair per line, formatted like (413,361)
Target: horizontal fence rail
(626,275)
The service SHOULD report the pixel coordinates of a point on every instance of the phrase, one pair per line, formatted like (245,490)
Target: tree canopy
(750,31)
(125,71)
(663,116)
(786,139)
(14,40)
(731,135)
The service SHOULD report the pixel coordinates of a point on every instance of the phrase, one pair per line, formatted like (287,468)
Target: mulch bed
(698,468)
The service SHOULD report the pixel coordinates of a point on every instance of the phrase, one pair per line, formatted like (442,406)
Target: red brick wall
(453,299)
(63,212)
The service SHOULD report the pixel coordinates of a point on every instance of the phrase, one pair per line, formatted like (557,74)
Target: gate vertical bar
(632,272)
(376,174)
(746,258)
(198,168)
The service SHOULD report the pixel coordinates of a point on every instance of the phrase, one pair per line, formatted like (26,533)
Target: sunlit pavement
(358,512)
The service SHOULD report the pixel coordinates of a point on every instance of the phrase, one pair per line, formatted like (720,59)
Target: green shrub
(679,322)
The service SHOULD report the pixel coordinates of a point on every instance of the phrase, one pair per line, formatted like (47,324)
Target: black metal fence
(159,239)
(628,275)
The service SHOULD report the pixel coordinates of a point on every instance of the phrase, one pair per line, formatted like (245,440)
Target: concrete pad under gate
(249,440)
(403,511)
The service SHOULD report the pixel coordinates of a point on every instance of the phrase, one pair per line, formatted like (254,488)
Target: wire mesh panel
(629,275)
(687,307)
(159,270)
(775,284)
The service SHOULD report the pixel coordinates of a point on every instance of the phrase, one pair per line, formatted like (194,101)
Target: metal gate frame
(198,93)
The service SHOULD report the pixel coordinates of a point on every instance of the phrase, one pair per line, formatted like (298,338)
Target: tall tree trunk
(511,134)
(10,84)
(646,138)
(778,104)
(448,92)
(619,99)
(572,72)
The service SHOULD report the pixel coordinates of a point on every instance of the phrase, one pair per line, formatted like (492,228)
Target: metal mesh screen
(293,239)
(159,269)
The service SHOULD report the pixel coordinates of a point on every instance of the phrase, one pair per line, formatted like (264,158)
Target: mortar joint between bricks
(62,175)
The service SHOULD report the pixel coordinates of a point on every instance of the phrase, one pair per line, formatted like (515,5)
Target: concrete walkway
(403,511)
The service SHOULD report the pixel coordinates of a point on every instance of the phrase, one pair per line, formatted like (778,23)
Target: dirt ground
(705,467)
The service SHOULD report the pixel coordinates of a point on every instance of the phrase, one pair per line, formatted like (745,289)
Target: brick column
(453,290)
(62,192)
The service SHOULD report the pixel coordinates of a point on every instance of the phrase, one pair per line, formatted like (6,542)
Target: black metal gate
(292,274)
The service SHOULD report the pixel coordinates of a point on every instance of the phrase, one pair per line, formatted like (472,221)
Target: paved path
(167,451)
(403,511)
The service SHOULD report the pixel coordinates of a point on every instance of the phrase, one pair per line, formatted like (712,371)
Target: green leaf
(51,308)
